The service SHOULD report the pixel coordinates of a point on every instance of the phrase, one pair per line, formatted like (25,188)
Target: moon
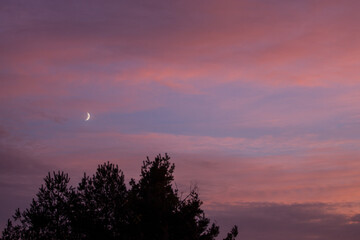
(88,117)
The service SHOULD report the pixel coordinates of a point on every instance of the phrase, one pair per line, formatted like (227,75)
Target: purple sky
(255,101)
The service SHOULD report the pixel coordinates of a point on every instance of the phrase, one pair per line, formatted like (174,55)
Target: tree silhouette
(100,204)
(101,207)
(48,215)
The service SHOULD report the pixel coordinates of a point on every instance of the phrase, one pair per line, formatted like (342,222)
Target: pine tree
(101,207)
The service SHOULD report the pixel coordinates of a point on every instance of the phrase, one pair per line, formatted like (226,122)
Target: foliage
(101,207)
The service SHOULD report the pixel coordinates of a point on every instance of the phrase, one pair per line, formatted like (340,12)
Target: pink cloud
(295,44)
(324,172)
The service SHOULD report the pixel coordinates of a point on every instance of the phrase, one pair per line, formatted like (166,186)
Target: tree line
(102,207)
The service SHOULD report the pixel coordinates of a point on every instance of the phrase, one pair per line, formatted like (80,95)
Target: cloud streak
(282,221)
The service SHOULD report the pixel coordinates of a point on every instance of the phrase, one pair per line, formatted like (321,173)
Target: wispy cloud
(259,220)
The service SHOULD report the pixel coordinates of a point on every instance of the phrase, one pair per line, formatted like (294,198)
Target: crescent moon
(88,117)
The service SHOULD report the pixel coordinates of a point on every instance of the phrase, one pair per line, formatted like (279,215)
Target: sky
(256,102)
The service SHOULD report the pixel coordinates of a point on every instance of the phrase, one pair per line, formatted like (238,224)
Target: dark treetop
(101,207)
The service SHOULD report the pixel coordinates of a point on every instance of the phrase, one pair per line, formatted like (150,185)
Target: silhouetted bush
(103,208)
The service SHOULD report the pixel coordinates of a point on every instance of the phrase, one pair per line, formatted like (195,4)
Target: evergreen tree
(99,210)
(48,215)
(103,208)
